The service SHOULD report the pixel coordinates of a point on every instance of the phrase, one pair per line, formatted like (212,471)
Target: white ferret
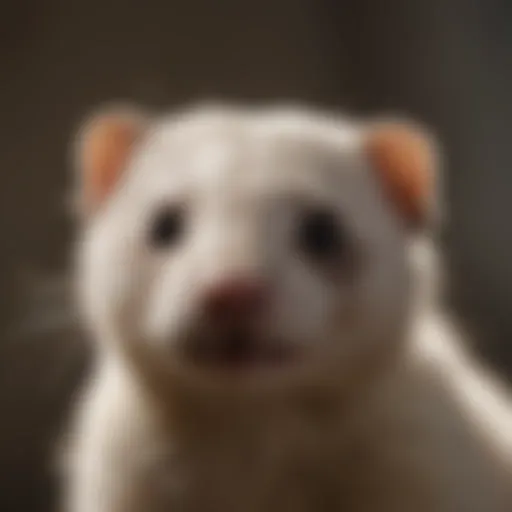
(254,280)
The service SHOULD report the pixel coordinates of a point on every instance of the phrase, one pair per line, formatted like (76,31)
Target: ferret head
(239,245)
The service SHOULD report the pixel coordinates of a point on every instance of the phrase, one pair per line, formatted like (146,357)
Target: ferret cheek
(163,317)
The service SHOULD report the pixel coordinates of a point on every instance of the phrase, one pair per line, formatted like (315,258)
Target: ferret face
(249,246)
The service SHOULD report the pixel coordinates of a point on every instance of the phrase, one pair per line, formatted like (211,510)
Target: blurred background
(447,63)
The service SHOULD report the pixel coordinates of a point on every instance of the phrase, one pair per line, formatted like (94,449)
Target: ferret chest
(279,468)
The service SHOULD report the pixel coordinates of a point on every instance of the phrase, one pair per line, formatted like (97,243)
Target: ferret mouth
(238,351)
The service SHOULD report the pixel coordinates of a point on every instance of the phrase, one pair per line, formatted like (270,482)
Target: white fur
(379,415)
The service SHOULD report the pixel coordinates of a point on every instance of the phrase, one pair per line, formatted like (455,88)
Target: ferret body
(370,404)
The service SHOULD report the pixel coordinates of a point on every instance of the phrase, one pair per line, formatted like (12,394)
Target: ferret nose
(235,300)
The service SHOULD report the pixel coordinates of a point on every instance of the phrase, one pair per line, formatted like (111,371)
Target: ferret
(259,284)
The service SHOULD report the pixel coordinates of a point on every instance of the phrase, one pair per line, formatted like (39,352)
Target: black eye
(320,235)
(167,227)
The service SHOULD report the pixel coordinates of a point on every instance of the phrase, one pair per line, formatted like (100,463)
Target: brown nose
(235,300)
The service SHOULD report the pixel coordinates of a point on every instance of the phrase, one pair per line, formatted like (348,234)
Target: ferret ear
(104,146)
(405,158)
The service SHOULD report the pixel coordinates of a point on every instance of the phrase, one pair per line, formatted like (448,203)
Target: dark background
(445,62)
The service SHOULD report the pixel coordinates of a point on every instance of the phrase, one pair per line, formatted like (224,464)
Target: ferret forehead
(313,126)
(192,150)
(270,124)
(200,122)
(208,146)
(196,132)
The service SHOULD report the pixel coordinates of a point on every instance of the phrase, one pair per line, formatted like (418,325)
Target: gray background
(446,62)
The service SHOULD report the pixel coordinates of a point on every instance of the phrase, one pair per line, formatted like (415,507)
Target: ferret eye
(167,227)
(320,235)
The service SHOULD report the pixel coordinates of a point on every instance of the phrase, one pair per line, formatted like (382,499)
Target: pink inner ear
(404,162)
(106,149)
